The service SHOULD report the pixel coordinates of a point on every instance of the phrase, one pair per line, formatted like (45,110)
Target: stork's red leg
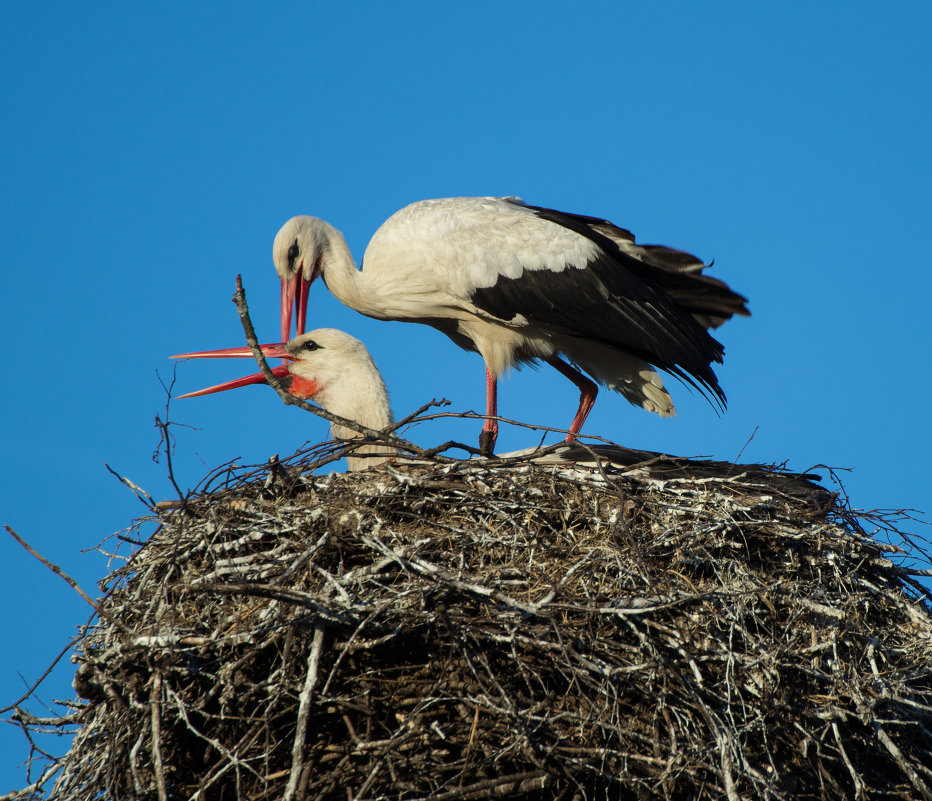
(490,427)
(587,392)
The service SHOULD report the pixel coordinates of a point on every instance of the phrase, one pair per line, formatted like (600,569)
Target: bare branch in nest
(470,415)
(62,574)
(139,492)
(35,685)
(304,712)
(375,436)
(155,706)
(54,568)
(165,438)
(163,428)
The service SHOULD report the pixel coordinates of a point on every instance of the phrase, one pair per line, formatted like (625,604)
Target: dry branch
(373,436)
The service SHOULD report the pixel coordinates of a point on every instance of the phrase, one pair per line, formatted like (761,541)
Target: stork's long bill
(298,386)
(294,303)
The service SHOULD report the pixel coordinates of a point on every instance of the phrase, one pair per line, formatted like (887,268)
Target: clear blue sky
(151,153)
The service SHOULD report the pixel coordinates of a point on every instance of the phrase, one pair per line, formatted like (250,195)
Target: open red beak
(275,351)
(294,301)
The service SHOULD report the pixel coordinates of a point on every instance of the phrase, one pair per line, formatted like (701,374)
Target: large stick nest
(673,629)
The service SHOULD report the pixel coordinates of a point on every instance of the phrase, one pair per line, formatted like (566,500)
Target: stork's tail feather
(679,274)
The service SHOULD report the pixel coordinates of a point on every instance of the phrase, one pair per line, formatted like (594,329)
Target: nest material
(460,631)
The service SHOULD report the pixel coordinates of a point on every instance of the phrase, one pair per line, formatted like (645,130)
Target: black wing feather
(677,273)
(645,308)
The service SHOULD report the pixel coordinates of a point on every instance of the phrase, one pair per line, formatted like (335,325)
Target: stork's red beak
(256,378)
(294,300)
(274,351)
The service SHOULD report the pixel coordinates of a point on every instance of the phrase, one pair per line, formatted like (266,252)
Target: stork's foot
(487,442)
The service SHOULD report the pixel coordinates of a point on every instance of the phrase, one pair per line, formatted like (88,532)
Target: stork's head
(299,253)
(336,370)
(327,365)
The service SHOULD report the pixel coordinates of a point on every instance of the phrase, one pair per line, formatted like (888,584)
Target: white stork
(518,283)
(333,369)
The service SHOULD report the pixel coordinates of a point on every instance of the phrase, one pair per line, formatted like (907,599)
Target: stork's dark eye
(310,345)
(293,253)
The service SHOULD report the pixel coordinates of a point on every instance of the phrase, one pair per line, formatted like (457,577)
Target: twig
(416,414)
(908,769)
(33,790)
(514,785)
(470,415)
(232,759)
(155,702)
(48,670)
(370,780)
(285,594)
(859,793)
(304,711)
(133,758)
(163,427)
(54,568)
(72,583)
(239,298)
(140,493)
(746,444)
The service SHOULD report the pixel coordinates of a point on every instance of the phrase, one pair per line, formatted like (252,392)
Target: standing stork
(521,283)
(331,368)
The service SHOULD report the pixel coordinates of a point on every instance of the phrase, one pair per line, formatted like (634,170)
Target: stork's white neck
(362,398)
(347,284)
